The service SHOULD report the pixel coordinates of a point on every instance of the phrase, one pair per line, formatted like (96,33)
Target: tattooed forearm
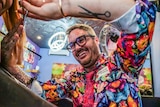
(18,74)
(87,12)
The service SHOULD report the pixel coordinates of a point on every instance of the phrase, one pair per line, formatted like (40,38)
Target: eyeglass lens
(80,41)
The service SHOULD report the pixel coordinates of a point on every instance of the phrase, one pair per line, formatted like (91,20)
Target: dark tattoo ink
(96,15)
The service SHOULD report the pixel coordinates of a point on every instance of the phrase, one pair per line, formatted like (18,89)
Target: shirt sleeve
(54,90)
(59,88)
(132,48)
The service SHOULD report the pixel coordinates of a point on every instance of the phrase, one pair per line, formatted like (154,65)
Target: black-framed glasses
(80,41)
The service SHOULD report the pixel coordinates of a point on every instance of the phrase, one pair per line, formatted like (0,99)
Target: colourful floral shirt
(113,82)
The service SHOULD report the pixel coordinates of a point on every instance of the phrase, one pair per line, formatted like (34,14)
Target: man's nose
(77,46)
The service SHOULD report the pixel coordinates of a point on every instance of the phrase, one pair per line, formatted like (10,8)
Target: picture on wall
(145,78)
(28,55)
(60,69)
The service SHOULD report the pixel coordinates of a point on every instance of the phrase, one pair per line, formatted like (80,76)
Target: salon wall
(36,58)
(1,22)
(30,59)
(47,60)
(155,50)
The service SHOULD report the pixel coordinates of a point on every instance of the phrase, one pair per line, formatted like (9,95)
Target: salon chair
(15,94)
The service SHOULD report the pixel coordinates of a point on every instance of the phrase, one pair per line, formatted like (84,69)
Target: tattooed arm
(12,43)
(9,60)
(101,9)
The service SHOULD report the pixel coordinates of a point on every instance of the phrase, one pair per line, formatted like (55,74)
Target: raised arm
(102,9)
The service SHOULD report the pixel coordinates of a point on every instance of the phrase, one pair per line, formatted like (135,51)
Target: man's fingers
(31,8)
(37,12)
(35,16)
(37,3)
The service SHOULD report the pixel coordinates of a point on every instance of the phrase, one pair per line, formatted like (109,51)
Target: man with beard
(102,81)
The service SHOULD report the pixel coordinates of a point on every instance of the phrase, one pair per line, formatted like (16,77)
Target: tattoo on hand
(96,15)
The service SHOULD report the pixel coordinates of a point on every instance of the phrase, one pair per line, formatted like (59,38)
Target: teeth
(81,53)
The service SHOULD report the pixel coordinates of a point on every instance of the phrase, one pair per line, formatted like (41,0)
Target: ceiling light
(57,41)
(39,37)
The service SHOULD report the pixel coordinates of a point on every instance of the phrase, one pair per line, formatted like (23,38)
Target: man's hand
(41,9)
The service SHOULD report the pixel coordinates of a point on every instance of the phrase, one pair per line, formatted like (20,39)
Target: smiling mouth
(81,55)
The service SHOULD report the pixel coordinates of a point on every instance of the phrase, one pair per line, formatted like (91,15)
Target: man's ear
(97,39)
